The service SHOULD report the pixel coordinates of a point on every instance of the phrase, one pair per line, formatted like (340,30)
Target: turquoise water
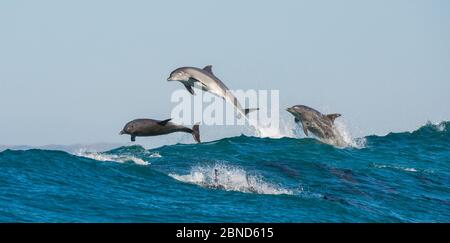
(401,177)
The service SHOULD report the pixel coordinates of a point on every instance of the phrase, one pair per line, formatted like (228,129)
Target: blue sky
(76,71)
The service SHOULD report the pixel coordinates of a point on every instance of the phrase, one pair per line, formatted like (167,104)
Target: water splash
(284,131)
(154,154)
(229,178)
(348,139)
(288,129)
(438,126)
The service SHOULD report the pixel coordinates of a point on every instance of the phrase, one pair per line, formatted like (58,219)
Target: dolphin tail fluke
(196,132)
(246,111)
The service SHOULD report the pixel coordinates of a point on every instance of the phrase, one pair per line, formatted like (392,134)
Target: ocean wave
(432,128)
(401,177)
(429,134)
(111,157)
(438,126)
(230,178)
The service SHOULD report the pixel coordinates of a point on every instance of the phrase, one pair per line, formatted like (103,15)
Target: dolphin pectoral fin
(189,88)
(133,138)
(303,126)
(305,131)
(333,117)
(163,123)
(208,69)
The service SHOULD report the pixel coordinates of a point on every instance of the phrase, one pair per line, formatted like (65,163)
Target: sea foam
(230,178)
(111,157)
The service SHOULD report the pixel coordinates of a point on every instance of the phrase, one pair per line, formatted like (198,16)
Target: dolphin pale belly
(320,125)
(204,79)
(150,127)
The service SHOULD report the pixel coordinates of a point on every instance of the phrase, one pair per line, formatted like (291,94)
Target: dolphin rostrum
(150,127)
(322,126)
(205,80)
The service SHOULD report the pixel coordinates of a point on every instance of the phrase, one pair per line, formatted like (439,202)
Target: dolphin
(150,127)
(204,79)
(322,126)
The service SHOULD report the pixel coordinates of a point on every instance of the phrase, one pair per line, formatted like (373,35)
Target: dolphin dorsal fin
(208,69)
(333,117)
(163,123)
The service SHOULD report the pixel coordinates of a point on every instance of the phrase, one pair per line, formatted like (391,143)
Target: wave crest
(437,126)
(111,157)
(229,178)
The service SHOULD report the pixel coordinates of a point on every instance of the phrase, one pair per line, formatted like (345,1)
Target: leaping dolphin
(150,127)
(322,126)
(205,80)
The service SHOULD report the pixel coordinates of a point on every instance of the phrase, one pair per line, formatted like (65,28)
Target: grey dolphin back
(208,69)
(164,122)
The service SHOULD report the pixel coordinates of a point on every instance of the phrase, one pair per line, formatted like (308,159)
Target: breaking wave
(230,178)
(112,157)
